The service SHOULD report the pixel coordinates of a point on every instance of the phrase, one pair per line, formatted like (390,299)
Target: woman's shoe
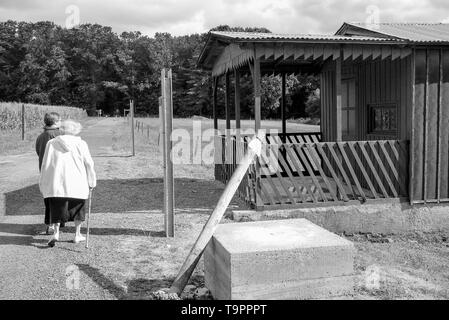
(79,239)
(53,241)
(50,230)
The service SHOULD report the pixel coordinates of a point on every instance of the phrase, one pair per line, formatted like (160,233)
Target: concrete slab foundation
(385,218)
(284,259)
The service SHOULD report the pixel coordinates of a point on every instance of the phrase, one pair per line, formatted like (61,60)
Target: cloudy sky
(191,16)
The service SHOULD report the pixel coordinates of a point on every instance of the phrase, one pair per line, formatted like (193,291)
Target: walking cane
(88,217)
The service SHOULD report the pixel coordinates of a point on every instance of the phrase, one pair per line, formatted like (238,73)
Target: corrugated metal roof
(414,32)
(257,36)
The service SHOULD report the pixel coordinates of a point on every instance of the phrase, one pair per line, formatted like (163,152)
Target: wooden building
(384,114)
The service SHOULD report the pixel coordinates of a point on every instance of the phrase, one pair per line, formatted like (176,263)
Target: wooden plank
(310,171)
(341,189)
(381,166)
(281,181)
(374,172)
(282,156)
(444,125)
(338,92)
(418,125)
(299,170)
(392,167)
(351,170)
(362,168)
(237,99)
(323,175)
(431,154)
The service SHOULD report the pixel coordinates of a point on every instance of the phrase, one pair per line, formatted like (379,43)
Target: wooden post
(217,142)
(167,105)
(131,111)
(338,92)
(237,99)
(23,121)
(228,144)
(238,152)
(227,102)
(283,115)
(257,94)
(214,102)
(211,225)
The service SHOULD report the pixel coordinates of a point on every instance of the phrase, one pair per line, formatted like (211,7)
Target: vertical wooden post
(257,94)
(214,102)
(217,142)
(338,92)
(23,121)
(131,111)
(238,153)
(283,115)
(237,99)
(167,106)
(228,154)
(227,102)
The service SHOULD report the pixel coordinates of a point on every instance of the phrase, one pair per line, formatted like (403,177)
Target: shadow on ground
(136,288)
(126,195)
(35,229)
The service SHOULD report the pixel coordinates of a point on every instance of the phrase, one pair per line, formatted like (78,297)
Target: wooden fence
(302,171)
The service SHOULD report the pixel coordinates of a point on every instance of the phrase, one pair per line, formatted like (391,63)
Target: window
(383,118)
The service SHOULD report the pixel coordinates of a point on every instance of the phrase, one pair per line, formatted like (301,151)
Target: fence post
(167,111)
(23,121)
(131,111)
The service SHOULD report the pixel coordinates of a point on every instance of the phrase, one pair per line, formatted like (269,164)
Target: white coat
(67,169)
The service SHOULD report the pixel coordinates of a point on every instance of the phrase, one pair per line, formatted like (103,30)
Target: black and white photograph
(224,154)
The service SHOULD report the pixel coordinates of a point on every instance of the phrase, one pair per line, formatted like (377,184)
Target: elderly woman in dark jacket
(52,122)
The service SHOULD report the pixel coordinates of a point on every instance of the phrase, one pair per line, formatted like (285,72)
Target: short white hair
(71,127)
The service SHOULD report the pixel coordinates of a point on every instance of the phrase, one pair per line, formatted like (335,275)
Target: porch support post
(227,102)
(218,156)
(338,91)
(228,144)
(283,115)
(214,102)
(257,94)
(237,100)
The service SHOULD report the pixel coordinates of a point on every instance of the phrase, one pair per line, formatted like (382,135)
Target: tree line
(92,67)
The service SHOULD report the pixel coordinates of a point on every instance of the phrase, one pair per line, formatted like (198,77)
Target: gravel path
(128,257)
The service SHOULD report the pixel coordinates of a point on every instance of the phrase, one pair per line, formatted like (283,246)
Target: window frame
(371,118)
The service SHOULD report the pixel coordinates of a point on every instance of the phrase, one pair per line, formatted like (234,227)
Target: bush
(11,115)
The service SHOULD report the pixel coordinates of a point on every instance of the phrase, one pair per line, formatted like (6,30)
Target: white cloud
(193,16)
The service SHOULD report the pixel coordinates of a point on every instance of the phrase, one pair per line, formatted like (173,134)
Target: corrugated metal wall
(430,131)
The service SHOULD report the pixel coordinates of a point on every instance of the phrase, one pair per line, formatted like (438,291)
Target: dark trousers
(47,211)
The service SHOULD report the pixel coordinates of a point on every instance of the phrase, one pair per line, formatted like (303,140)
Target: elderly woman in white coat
(67,173)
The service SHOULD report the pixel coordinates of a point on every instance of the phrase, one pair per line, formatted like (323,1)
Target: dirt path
(129,256)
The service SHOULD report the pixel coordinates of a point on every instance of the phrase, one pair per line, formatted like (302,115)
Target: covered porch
(360,154)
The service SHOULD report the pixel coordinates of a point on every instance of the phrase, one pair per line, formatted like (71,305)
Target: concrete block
(392,217)
(283,259)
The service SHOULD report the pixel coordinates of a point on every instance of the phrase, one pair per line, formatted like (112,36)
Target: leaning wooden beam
(254,149)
